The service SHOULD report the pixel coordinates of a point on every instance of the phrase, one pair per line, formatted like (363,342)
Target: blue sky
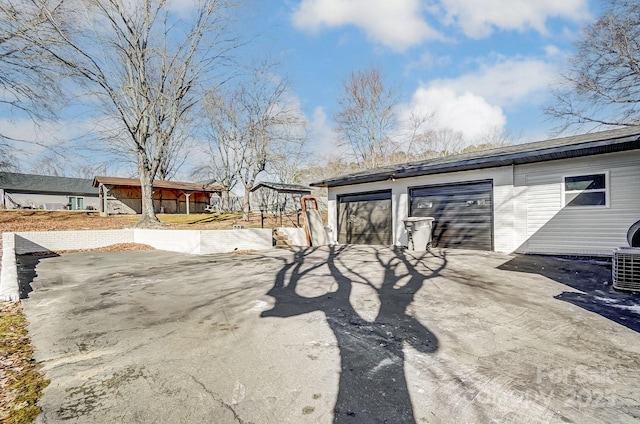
(478,65)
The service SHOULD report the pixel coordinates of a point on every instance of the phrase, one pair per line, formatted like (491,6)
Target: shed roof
(31,183)
(560,148)
(170,185)
(283,188)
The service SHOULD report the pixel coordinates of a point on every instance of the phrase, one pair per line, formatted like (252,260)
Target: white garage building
(576,195)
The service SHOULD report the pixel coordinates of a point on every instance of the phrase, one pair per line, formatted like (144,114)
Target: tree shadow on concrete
(26,267)
(373,386)
(592,278)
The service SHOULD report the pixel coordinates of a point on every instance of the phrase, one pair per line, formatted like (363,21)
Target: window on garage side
(586,190)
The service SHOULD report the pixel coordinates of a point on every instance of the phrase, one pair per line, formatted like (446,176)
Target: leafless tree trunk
(367,117)
(602,83)
(144,63)
(250,124)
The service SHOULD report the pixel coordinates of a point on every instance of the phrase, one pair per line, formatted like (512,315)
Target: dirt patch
(119,247)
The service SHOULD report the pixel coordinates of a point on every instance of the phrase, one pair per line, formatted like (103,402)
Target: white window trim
(607,190)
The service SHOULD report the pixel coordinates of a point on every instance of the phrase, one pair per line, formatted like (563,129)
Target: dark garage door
(365,218)
(463,213)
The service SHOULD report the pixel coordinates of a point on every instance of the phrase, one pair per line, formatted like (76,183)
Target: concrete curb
(9,272)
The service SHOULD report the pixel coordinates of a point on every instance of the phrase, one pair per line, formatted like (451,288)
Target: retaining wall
(185,241)
(47,241)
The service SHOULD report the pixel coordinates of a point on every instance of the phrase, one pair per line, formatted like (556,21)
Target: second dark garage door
(463,213)
(365,218)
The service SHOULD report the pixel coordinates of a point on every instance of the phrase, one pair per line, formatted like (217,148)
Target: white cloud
(464,112)
(478,19)
(506,83)
(474,103)
(401,24)
(322,135)
(552,51)
(427,61)
(397,24)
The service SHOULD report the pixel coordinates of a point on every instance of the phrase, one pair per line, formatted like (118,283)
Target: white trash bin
(419,229)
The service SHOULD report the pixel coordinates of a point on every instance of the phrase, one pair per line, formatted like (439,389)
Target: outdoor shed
(277,197)
(124,196)
(29,191)
(576,195)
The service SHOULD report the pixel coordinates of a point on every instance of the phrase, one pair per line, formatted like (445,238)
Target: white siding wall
(505,232)
(40,200)
(552,229)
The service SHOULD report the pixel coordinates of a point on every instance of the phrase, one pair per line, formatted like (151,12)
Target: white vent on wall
(626,269)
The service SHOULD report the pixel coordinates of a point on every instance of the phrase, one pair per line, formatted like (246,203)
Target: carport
(124,195)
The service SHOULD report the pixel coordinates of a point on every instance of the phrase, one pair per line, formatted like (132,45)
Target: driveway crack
(236,417)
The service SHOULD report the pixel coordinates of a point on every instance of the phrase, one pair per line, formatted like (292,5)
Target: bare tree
(178,151)
(436,143)
(288,163)
(367,116)
(224,140)
(57,165)
(251,122)
(144,63)
(602,83)
(6,158)
(28,86)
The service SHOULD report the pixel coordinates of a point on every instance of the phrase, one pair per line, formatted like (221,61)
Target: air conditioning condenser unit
(626,269)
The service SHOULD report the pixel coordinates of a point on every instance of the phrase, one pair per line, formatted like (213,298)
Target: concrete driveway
(344,335)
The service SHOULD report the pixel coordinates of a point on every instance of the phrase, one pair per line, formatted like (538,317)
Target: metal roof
(171,185)
(561,148)
(31,183)
(283,188)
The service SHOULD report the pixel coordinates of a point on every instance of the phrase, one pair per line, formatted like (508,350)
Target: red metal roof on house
(171,185)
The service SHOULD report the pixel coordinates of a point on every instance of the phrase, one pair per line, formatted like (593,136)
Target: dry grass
(21,381)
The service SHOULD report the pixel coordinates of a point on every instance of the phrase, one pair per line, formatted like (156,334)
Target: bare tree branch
(29,86)
(367,117)
(601,86)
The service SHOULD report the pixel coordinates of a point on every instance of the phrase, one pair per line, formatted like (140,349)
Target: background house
(275,197)
(19,191)
(576,195)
